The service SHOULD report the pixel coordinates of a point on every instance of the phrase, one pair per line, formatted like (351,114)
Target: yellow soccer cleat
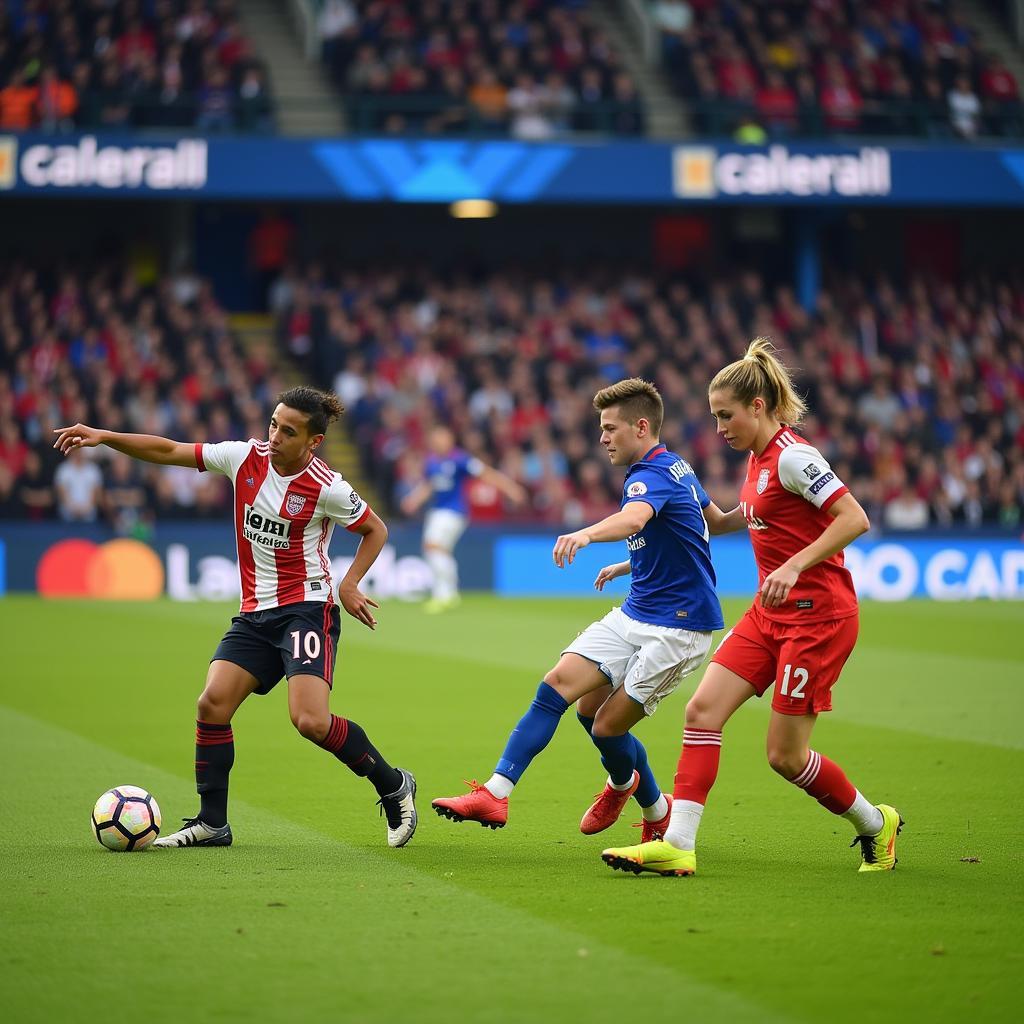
(878,852)
(659,858)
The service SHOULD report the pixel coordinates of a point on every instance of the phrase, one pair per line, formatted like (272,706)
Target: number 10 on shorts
(311,645)
(799,677)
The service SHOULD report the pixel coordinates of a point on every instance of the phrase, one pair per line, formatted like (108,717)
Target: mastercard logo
(119,570)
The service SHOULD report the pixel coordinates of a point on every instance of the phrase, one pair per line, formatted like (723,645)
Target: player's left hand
(358,605)
(566,547)
(777,585)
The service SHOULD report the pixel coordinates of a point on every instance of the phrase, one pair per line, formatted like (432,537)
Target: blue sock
(648,792)
(533,733)
(618,755)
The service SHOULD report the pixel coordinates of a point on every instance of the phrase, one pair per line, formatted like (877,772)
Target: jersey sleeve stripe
(200,464)
(361,519)
(833,498)
(320,475)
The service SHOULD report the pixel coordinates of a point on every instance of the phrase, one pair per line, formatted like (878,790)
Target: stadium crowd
(813,67)
(917,392)
(99,346)
(118,65)
(531,68)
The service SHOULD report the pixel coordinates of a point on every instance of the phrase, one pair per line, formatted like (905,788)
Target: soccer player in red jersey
(798,633)
(286,503)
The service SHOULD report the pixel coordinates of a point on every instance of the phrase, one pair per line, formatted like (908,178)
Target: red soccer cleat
(605,810)
(480,805)
(655,830)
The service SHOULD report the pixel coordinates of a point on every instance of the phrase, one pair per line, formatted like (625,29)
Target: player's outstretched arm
(512,489)
(720,522)
(849,521)
(414,500)
(353,600)
(147,447)
(624,523)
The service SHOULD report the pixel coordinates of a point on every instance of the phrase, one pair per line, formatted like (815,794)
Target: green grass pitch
(310,916)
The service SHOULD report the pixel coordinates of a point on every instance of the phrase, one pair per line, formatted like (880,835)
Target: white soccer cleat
(400,810)
(195,833)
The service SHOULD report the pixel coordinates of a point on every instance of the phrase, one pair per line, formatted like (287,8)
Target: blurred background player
(620,668)
(446,470)
(287,501)
(798,633)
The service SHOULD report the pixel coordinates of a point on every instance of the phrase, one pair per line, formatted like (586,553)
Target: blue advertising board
(197,562)
(417,171)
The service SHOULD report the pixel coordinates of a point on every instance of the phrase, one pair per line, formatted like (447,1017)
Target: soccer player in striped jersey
(286,504)
(799,632)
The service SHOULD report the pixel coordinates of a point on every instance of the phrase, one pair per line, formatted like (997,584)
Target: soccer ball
(126,818)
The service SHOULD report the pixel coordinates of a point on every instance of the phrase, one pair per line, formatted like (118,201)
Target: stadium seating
(917,393)
(806,68)
(530,69)
(95,345)
(124,65)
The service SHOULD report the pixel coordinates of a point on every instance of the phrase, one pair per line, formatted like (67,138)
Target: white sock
(683,825)
(446,574)
(865,818)
(656,811)
(617,787)
(499,786)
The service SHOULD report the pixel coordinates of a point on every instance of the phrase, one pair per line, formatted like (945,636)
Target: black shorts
(296,639)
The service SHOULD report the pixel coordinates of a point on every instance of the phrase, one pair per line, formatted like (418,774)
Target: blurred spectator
(79,486)
(870,66)
(964,108)
(118,63)
(531,69)
(897,377)
(94,345)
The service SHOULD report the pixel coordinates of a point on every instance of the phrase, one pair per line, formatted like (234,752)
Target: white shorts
(442,528)
(648,660)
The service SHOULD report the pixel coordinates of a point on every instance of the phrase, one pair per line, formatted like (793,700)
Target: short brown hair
(638,399)
(322,407)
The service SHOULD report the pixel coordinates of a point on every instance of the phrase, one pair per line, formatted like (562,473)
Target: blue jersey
(446,475)
(673,580)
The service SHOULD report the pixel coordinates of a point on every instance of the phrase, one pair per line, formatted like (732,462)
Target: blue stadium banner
(891,569)
(416,171)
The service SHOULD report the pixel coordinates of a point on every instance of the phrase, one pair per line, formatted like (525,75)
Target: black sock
(215,754)
(348,743)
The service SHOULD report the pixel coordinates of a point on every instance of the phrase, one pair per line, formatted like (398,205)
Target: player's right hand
(78,436)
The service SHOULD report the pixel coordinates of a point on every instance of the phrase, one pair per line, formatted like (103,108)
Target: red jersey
(785,497)
(283,524)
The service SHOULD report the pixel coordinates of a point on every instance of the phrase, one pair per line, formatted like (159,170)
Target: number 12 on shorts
(311,644)
(799,676)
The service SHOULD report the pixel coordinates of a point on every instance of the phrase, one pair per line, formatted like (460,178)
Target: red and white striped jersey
(283,524)
(785,499)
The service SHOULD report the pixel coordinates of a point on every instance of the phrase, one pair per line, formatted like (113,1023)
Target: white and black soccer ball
(125,819)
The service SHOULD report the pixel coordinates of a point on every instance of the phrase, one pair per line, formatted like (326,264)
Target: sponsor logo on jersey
(818,484)
(804,604)
(636,489)
(294,504)
(355,499)
(268,531)
(636,542)
(811,471)
(762,480)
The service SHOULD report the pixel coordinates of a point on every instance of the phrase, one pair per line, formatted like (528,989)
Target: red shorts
(803,659)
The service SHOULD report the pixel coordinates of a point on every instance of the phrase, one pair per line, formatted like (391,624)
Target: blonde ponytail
(761,374)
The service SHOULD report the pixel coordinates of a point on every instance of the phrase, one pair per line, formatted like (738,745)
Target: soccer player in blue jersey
(619,669)
(446,472)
